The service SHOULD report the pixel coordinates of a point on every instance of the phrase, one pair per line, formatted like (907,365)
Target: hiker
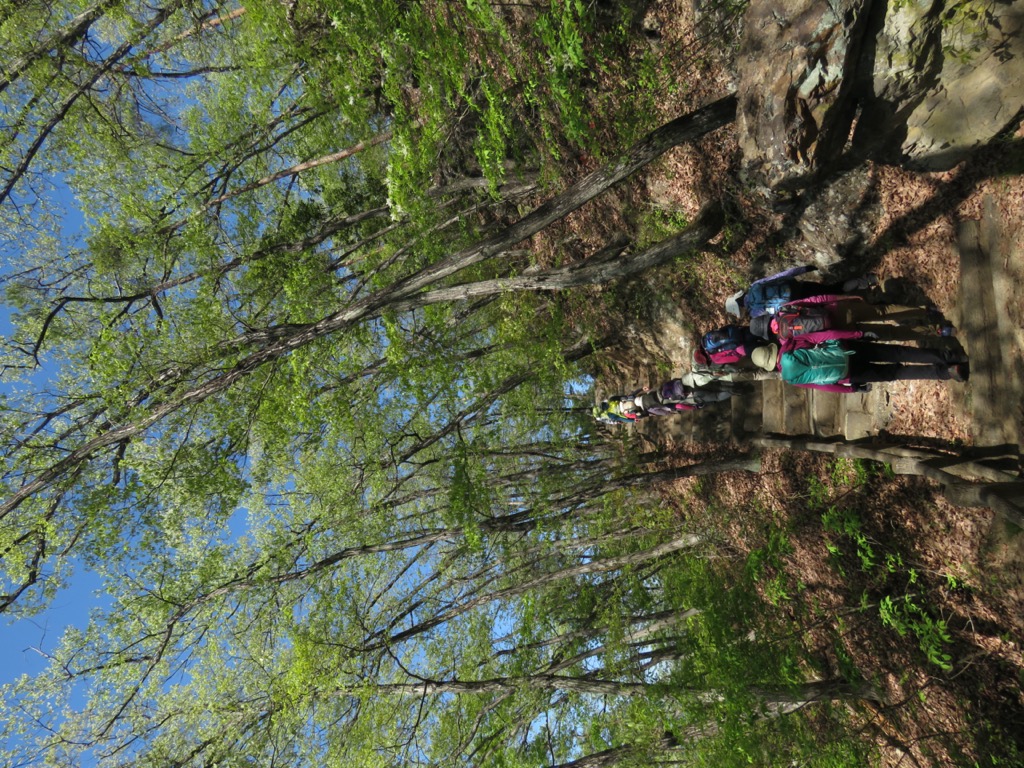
(619,409)
(724,355)
(766,295)
(608,413)
(704,372)
(673,396)
(625,409)
(647,402)
(843,361)
(892,322)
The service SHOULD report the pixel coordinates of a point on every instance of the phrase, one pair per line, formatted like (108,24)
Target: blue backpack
(724,339)
(825,363)
(766,298)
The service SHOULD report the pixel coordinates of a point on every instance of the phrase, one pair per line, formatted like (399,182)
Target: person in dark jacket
(766,295)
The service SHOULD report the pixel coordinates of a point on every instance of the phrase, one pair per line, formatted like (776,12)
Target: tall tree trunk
(806,694)
(602,268)
(1001,491)
(686,128)
(815,692)
(536,682)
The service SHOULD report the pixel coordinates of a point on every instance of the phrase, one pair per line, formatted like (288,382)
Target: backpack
(610,413)
(674,391)
(667,409)
(704,365)
(766,298)
(724,338)
(725,345)
(825,363)
(798,320)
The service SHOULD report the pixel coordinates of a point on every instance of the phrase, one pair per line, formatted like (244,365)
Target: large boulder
(924,81)
(838,220)
(794,86)
(947,78)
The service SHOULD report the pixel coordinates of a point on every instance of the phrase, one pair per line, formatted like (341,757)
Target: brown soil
(965,566)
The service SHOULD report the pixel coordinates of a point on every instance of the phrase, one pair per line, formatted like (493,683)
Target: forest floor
(869,565)
(879,576)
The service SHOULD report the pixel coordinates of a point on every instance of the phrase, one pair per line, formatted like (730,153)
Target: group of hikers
(839,337)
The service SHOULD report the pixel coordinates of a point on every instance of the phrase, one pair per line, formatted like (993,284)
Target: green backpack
(824,363)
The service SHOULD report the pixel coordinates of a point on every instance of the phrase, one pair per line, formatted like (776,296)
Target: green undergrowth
(891,588)
(826,591)
(746,648)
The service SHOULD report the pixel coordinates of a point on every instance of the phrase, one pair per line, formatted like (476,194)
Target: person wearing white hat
(766,295)
(766,357)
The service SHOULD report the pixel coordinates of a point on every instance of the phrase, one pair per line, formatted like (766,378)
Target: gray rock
(950,82)
(839,218)
(929,81)
(792,83)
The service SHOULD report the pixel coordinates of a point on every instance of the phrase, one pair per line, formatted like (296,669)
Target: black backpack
(796,321)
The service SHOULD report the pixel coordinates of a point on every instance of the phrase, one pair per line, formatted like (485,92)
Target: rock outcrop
(914,82)
(949,78)
(795,84)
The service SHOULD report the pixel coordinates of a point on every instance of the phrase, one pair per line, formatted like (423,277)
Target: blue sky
(23,639)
